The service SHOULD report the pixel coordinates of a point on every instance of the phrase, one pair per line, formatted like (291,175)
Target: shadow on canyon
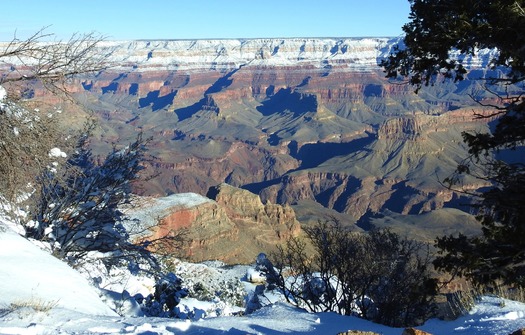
(312,155)
(157,102)
(287,100)
(219,85)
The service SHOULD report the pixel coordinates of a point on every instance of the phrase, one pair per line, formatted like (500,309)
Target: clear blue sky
(189,19)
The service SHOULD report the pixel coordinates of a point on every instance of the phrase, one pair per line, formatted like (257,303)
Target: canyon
(229,224)
(308,123)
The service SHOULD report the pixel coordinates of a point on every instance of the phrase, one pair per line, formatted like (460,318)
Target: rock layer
(234,226)
(289,119)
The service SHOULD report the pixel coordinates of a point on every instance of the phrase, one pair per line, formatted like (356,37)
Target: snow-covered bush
(378,276)
(77,211)
(255,276)
(167,295)
(214,282)
(266,269)
(26,138)
(255,302)
(267,283)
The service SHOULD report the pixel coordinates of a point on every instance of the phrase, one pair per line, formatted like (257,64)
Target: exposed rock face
(401,128)
(357,332)
(414,331)
(289,119)
(399,168)
(244,206)
(233,227)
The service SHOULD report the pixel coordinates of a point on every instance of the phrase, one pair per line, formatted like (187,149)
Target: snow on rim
(31,276)
(147,210)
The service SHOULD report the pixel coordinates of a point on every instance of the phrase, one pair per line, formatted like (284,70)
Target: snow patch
(254,276)
(31,276)
(147,210)
(57,152)
(3,94)
(514,315)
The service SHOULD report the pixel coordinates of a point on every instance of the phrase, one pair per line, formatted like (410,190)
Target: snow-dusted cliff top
(353,54)
(360,53)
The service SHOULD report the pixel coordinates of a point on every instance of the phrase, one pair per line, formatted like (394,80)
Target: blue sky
(190,19)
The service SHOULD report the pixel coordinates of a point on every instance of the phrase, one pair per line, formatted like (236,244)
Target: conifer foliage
(436,28)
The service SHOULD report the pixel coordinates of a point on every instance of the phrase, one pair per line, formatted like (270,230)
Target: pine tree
(436,27)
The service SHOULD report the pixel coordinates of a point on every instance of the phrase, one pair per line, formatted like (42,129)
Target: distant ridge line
(261,38)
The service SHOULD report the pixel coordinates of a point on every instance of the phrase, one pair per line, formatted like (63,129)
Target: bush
(27,134)
(76,208)
(167,295)
(378,276)
(26,139)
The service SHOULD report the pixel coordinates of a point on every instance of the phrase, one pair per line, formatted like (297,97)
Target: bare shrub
(26,140)
(379,276)
(76,208)
(44,59)
(27,135)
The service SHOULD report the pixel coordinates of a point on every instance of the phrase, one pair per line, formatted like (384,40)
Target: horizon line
(252,38)
(233,38)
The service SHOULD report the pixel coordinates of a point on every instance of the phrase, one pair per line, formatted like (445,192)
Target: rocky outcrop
(401,128)
(357,332)
(234,226)
(359,195)
(271,220)
(414,331)
(210,161)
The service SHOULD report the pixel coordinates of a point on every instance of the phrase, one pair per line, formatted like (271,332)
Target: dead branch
(52,62)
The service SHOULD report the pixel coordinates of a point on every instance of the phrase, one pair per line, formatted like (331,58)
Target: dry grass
(511,293)
(35,304)
(459,302)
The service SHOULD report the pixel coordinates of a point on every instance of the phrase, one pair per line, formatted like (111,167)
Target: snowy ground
(41,295)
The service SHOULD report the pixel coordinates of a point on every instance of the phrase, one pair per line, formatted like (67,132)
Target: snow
(344,54)
(3,93)
(147,210)
(29,275)
(491,315)
(360,54)
(3,96)
(42,295)
(255,276)
(57,152)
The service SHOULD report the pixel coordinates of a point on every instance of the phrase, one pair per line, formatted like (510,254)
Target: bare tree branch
(52,62)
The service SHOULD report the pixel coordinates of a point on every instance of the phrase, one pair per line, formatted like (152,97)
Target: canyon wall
(295,121)
(231,225)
